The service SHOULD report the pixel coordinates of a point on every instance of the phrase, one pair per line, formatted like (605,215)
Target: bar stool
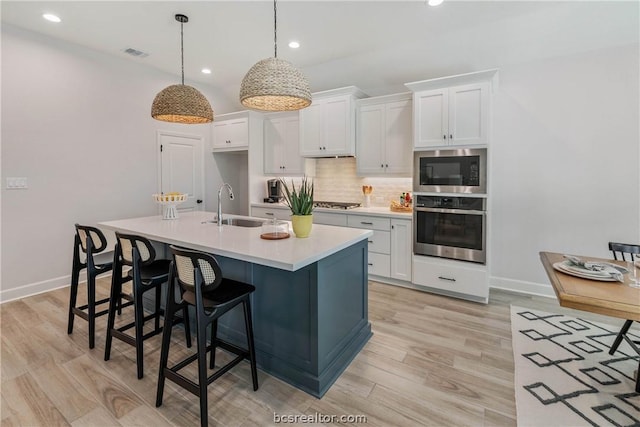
(202,285)
(92,242)
(147,273)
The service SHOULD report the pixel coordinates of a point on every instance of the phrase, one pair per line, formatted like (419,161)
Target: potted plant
(300,201)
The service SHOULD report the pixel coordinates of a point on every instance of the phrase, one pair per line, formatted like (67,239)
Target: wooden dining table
(610,298)
(614,299)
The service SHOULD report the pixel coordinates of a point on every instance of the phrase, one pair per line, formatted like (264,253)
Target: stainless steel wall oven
(450,227)
(450,171)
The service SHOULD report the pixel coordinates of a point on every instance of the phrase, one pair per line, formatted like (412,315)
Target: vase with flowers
(300,201)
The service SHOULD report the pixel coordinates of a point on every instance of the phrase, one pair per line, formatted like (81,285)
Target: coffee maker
(274,191)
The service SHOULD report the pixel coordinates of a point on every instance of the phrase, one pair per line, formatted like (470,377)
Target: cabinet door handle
(451,136)
(269,213)
(366,223)
(381,166)
(370,241)
(199,201)
(386,166)
(447,278)
(393,227)
(444,136)
(371,264)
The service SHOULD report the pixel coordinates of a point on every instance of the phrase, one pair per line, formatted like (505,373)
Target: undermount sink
(238,222)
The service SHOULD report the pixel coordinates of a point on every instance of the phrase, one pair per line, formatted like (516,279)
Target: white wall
(77,124)
(565,162)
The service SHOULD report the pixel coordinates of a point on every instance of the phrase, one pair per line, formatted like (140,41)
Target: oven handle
(450,211)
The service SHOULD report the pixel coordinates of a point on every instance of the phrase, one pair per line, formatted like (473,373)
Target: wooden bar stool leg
(202,370)
(139,324)
(246,305)
(158,293)
(116,290)
(91,302)
(187,326)
(164,349)
(214,334)
(75,278)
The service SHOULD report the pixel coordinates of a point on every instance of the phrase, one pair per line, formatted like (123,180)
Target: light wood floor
(432,360)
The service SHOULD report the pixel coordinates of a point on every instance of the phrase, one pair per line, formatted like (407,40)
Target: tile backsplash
(336,181)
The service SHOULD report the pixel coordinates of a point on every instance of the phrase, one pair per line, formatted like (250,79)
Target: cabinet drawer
(283,214)
(326,218)
(450,276)
(379,264)
(369,222)
(380,242)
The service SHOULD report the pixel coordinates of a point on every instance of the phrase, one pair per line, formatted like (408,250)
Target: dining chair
(147,273)
(198,279)
(89,251)
(623,251)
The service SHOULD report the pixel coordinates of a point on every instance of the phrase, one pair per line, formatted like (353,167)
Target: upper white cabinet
(282,145)
(452,110)
(383,136)
(327,126)
(230,132)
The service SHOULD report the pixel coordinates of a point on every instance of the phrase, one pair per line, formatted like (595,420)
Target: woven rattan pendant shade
(181,103)
(274,84)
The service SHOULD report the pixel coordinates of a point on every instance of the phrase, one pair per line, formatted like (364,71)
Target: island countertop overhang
(244,243)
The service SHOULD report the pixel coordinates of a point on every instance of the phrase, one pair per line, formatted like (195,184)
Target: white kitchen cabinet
(328,218)
(401,249)
(379,253)
(278,212)
(282,145)
(383,136)
(455,278)
(452,111)
(327,126)
(230,132)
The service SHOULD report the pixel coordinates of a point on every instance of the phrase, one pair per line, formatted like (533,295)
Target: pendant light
(274,84)
(181,103)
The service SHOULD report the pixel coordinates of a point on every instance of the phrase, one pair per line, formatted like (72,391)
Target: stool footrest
(173,374)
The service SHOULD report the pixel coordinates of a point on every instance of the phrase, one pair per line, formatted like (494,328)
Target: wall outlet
(17,183)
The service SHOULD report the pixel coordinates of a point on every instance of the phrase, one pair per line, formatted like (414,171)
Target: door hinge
(161,148)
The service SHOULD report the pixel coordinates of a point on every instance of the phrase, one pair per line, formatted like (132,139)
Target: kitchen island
(310,305)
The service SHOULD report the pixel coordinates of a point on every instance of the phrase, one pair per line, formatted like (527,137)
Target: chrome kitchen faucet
(230,191)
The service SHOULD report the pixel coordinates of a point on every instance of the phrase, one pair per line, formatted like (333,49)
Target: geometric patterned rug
(564,375)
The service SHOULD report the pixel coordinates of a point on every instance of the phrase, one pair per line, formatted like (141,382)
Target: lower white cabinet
(379,243)
(456,278)
(400,249)
(327,218)
(282,213)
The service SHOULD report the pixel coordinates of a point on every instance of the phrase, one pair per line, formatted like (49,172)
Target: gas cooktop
(336,205)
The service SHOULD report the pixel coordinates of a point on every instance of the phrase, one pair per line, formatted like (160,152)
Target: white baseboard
(7,295)
(521,286)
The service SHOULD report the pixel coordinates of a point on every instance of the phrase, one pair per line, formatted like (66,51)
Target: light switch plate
(17,183)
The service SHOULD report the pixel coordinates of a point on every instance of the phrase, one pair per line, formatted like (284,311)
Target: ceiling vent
(134,52)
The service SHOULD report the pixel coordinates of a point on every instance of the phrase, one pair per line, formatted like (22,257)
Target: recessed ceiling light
(435,2)
(51,17)
(206,71)
(294,45)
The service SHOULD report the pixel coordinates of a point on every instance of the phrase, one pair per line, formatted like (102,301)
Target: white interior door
(181,167)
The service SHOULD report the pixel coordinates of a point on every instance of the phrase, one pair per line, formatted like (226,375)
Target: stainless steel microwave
(450,171)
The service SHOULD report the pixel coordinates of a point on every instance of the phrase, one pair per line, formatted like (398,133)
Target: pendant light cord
(182,49)
(275,30)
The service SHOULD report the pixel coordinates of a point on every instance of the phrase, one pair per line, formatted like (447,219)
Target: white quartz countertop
(375,211)
(243,243)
